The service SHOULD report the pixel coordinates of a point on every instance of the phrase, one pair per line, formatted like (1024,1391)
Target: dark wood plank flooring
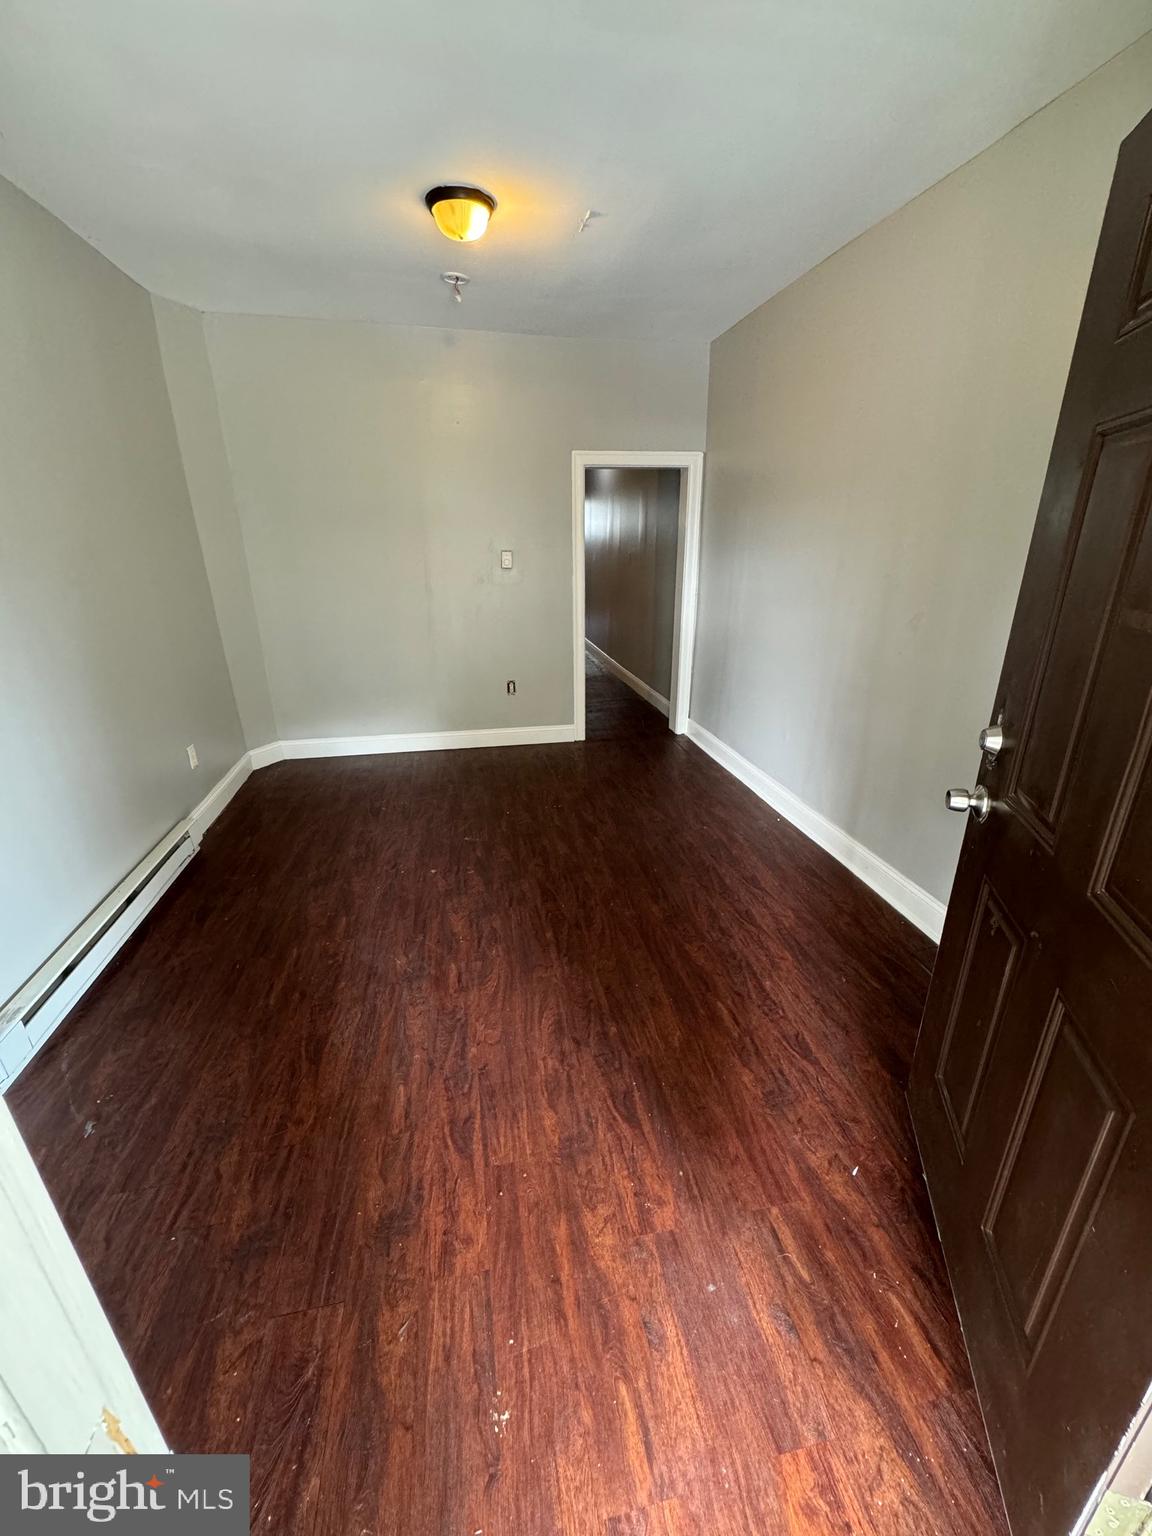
(514,1142)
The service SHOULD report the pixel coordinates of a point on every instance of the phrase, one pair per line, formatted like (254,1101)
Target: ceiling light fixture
(461,213)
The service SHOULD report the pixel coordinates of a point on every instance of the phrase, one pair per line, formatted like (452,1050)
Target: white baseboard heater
(33,1012)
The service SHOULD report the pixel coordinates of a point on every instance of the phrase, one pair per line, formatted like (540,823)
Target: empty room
(575,917)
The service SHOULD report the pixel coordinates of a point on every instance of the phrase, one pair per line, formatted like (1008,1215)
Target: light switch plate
(505,559)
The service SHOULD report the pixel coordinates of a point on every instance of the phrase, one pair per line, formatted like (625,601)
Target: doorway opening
(635,572)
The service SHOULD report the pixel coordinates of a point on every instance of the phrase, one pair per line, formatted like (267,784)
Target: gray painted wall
(112,661)
(378,472)
(877,440)
(209,476)
(630,528)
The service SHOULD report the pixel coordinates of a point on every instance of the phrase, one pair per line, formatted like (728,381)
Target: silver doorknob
(992,739)
(977,800)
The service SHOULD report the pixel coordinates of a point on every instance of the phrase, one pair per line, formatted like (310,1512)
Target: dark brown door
(1033,1073)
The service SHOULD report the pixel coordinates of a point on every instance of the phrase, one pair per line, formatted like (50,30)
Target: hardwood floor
(514,1142)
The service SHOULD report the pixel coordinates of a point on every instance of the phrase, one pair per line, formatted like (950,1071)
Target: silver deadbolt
(992,740)
(977,800)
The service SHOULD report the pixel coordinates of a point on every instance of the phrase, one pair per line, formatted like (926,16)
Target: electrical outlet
(193,760)
(511,685)
(505,559)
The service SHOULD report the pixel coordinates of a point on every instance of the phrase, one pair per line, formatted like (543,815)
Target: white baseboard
(909,899)
(637,684)
(264,757)
(217,798)
(418,741)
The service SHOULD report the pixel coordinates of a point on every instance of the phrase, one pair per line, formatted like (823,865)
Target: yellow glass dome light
(461,213)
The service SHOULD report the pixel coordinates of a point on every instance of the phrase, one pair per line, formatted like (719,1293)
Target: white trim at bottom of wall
(200,819)
(909,899)
(637,684)
(419,741)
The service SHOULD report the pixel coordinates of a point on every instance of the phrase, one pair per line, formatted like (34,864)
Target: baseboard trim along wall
(637,684)
(419,741)
(67,974)
(909,899)
(218,797)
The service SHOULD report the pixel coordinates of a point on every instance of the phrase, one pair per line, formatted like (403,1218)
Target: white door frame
(691,466)
(65,1385)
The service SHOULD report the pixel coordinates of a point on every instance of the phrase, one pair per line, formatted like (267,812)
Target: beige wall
(209,476)
(112,661)
(877,440)
(379,470)
(630,528)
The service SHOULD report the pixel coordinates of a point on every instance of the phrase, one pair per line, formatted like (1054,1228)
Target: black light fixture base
(446,194)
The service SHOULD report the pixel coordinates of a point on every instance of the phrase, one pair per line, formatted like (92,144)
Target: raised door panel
(982,990)
(1138,305)
(1056,1169)
(1112,502)
(1124,883)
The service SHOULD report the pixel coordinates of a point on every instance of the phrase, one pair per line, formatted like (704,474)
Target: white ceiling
(271,155)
